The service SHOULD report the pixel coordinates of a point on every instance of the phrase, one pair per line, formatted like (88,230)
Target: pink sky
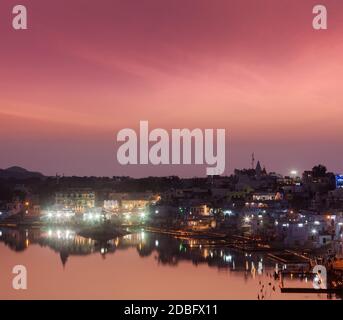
(86,69)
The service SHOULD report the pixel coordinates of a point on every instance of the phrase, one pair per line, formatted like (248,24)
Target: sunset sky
(85,69)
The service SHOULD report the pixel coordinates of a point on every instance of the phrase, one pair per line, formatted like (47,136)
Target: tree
(319,171)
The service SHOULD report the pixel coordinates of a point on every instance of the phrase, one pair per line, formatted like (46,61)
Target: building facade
(77,200)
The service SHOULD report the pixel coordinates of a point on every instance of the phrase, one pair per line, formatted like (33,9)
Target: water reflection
(164,250)
(169,251)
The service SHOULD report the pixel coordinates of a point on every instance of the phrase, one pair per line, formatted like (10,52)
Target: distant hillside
(19,173)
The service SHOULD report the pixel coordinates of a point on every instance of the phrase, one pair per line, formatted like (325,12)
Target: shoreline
(217,238)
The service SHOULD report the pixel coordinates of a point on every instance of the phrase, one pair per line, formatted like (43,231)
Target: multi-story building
(133,200)
(335,199)
(339,181)
(267,196)
(77,200)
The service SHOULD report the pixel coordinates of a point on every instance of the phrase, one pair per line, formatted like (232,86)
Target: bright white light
(142,214)
(285,225)
(294,172)
(317,223)
(156,211)
(246,219)
(260,267)
(314,231)
(228,212)
(0,233)
(228,258)
(156,243)
(300,225)
(276,222)
(102,250)
(0,213)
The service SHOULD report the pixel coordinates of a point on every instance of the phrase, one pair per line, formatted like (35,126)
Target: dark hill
(19,173)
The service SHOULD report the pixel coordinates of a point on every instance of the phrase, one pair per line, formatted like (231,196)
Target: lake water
(141,265)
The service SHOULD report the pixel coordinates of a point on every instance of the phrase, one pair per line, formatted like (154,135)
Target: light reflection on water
(140,265)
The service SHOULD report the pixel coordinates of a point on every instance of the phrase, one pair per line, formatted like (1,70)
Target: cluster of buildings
(89,206)
(27,204)
(290,210)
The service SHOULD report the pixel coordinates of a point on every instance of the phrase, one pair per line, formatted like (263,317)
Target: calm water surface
(63,265)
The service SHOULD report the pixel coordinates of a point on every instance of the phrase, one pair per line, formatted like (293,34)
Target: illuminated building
(76,199)
(200,210)
(267,196)
(111,205)
(339,181)
(134,200)
(131,204)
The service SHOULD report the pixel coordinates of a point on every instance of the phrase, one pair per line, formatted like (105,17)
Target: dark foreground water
(63,265)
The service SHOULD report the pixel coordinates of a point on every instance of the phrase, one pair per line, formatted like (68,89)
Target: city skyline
(16,171)
(259,70)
